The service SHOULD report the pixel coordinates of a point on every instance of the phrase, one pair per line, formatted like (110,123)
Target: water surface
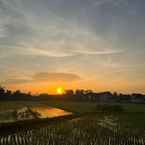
(27,113)
(49,112)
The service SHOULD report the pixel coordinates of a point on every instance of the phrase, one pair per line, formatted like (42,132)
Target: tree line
(78,95)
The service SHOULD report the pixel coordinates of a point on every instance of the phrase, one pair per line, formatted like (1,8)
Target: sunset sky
(90,44)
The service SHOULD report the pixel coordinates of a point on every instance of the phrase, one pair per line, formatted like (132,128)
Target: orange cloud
(54,76)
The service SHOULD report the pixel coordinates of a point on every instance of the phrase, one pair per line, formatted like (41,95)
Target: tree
(2,93)
(80,94)
(2,90)
(69,92)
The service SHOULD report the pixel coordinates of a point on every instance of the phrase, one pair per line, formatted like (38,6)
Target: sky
(74,44)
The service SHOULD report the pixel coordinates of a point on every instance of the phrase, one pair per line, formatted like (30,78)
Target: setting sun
(60,90)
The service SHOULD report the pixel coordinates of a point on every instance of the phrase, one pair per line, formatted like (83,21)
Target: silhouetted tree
(80,94)
(2,90)
(2,93)
(69,95)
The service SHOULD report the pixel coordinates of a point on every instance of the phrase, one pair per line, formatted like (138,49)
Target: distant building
(138,98)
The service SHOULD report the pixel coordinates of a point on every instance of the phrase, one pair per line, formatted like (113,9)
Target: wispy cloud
(62,53)
(44,52)
(56,39)
(103,52)
(113,2)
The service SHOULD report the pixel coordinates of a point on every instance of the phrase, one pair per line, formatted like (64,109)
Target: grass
(134,108)
(76,107)
(133,116)
(86,129)
(13,105)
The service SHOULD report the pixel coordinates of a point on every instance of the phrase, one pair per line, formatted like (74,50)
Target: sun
(60,90)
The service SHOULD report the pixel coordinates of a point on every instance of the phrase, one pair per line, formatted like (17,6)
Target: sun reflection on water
(48,112)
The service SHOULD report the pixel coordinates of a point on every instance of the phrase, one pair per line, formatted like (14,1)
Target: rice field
(82,131)
(92,127)
(78,107)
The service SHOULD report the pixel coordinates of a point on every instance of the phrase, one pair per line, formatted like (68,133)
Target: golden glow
(48,112)
(60,90)
(98,85)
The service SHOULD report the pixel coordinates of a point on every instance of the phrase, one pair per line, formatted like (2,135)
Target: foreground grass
(92,127)
(133,116)
(82,131)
